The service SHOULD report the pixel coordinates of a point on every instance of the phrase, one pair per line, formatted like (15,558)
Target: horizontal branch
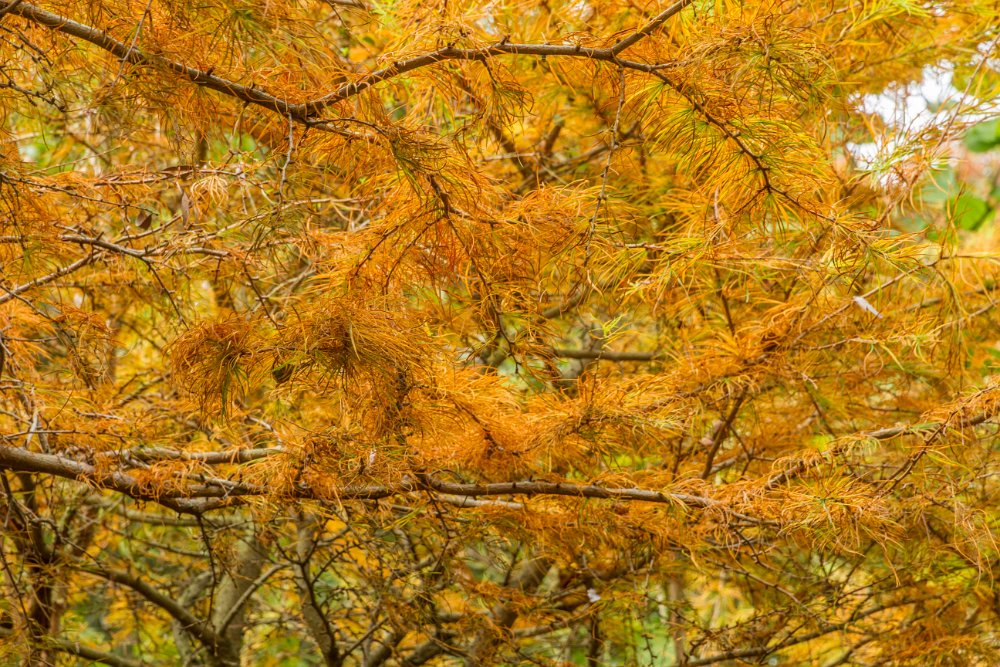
(212,458)
(468,501)
(210,493)
(116,506)
(139,254)
(213,494)
(607,355)
(22,460)
(535,488)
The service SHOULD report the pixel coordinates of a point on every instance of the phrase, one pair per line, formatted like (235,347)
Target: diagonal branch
(654,24)
(400,67)
(11,6)
(247,594)
(249,94)
(82,651)
(720,434)
(55,275)
(191,623)
(825,629)
(503,616)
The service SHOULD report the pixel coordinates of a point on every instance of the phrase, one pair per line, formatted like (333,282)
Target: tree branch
(222,493)
(191,623)
(803,464)
(211,458)
(400,67)
(306,112)
(536,488)
(55,275)
(762,651)
(720,434)
(607,355)
(93,655)
(21,460)
(249,94)
(654,24)
(502,616)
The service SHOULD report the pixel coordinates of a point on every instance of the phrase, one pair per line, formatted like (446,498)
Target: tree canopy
(597,332)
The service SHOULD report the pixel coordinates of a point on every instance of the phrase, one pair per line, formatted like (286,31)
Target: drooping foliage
(353,332)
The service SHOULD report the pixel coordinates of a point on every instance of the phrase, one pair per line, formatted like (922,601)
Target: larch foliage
(363,332)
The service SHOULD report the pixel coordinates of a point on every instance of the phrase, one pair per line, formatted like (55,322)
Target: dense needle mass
(575,332)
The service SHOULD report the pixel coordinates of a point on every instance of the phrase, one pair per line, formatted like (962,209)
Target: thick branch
(167,454)
(22,460)
(607,355)
(182,499)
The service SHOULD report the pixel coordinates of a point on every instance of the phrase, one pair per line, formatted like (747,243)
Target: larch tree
(402,332)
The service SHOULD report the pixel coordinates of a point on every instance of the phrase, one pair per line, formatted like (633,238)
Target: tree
(590,332)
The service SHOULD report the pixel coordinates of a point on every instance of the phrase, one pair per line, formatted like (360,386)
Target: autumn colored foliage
(406,332)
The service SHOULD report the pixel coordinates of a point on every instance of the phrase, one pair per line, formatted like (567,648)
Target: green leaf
(940,187)
(968,211)
(984,136)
